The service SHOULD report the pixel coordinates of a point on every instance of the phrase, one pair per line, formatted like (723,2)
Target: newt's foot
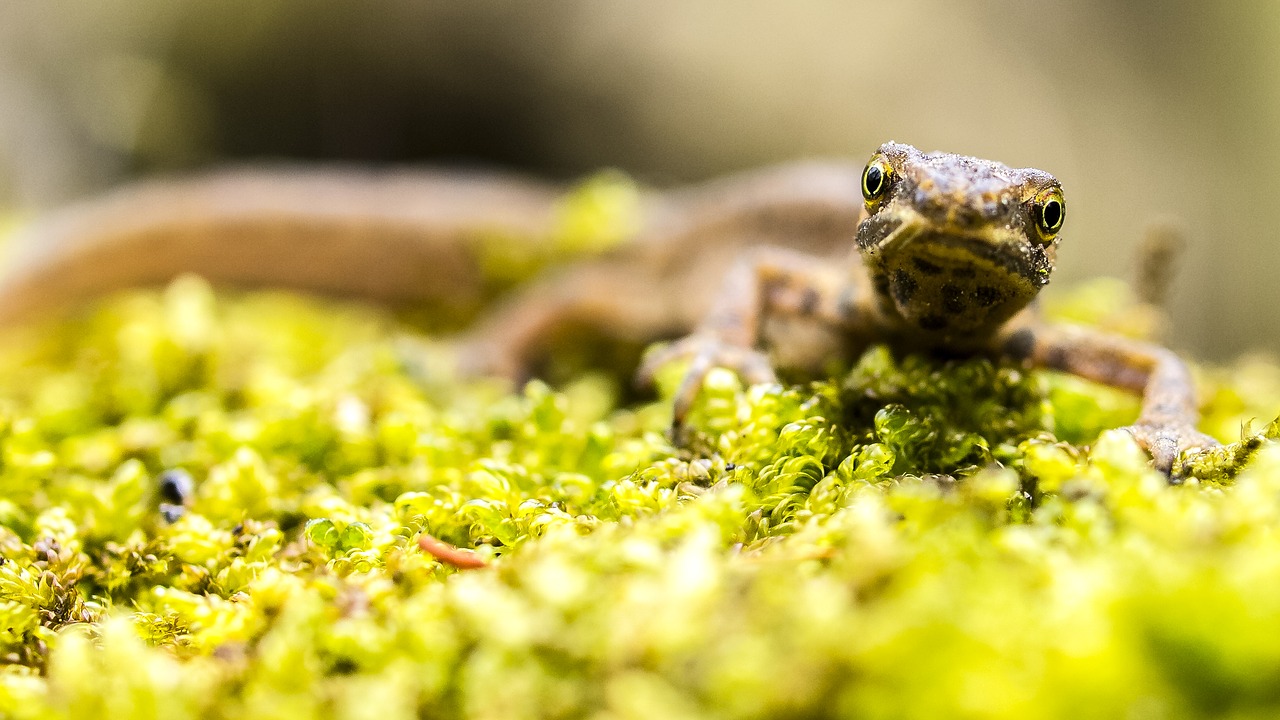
(704,352)
(1168,443)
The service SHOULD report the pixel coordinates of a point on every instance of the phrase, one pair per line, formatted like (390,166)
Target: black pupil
(1051,214)
(873,181)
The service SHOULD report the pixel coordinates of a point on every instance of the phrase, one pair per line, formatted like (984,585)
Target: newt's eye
(876,180)
(1050,210)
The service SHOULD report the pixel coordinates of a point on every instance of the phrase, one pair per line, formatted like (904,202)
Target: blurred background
(1143,109)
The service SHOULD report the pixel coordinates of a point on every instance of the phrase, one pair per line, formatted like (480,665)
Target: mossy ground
(911,539)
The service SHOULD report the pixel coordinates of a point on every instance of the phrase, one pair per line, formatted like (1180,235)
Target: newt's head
(957,245)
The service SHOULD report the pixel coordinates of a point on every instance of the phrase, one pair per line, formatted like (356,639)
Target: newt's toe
(704,353)
(1167,444)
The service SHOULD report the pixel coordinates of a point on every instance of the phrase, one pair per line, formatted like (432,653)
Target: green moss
(912,539)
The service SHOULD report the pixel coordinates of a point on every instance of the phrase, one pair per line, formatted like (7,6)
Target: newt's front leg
(1166,425)
(767,282)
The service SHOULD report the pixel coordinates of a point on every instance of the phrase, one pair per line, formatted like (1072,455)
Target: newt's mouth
(994,250)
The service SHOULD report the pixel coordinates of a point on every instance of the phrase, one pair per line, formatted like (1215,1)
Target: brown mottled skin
(952,250)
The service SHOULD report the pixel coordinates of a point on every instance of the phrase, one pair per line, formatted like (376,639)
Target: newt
(950,252)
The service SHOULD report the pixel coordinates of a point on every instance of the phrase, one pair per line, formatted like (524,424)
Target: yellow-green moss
(913,539)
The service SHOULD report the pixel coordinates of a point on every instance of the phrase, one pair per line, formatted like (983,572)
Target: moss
(914,538)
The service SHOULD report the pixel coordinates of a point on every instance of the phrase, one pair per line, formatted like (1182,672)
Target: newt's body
(952,250)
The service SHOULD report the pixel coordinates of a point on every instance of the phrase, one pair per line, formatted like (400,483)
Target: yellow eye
(1050,210)
(876,180)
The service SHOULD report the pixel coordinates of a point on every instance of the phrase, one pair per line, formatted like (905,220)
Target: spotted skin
(950,252)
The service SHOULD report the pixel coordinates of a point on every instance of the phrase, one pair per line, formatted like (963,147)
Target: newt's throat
(949,286)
